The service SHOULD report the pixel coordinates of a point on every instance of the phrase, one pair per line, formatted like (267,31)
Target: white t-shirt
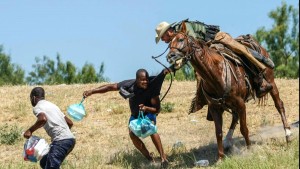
(56,125)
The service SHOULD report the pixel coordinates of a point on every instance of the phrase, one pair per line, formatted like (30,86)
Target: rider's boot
(263,86)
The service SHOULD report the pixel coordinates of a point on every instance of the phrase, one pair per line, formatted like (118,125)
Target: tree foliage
(183,74)
(282,40)
(47,71)
(10,74)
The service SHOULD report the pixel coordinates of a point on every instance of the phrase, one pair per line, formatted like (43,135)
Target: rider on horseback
(199,30)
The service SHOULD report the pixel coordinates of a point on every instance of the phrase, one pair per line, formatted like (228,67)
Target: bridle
(177,57)
(172,58)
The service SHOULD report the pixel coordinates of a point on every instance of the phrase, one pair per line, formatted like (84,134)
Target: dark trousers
(57,153)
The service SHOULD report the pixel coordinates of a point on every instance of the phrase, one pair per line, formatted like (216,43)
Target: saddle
(250,69)
(252,45)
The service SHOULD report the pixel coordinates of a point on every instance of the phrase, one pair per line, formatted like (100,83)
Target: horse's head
(180,49)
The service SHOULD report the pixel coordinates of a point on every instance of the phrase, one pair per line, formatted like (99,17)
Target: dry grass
(102,137)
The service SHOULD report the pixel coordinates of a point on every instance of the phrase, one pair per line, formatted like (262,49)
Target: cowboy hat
(161,29)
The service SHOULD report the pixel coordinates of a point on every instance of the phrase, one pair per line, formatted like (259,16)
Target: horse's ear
(183,27)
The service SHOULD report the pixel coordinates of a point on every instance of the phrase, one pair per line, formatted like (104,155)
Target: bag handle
(141,114)
(82,100)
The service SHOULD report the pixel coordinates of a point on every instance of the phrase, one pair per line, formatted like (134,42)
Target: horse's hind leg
(241,109)
(280,108)
(228,142)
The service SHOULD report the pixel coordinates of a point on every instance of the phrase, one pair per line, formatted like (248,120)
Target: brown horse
(224,84)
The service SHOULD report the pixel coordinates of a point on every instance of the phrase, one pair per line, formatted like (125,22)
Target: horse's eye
(180,40)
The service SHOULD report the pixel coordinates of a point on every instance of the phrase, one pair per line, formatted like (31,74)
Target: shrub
(167,107)
(9,134)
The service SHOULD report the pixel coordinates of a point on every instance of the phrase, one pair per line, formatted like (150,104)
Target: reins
(155,58)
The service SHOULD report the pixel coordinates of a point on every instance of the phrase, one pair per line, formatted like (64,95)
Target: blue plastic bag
(142,126)
(77,111)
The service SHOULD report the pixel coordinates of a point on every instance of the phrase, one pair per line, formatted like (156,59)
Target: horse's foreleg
(280,108)
(228,141)
(217,117)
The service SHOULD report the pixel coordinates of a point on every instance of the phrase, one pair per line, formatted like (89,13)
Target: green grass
(167,107)
(271,156)
(10,134)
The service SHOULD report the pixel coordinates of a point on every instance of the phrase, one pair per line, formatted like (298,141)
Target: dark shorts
(151,116)
(57,153)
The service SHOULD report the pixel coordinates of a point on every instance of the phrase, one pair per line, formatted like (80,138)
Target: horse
(224,85)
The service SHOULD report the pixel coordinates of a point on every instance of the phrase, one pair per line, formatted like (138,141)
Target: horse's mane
(206,50)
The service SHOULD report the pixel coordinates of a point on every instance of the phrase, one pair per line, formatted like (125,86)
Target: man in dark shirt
(143,93)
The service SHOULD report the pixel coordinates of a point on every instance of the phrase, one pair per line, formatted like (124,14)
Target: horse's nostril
(171,55)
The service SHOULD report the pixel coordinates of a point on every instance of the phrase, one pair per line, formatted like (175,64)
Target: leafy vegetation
(9,134)
(46,71)
(185,73)
(282,40)
(10,74)
(167,107)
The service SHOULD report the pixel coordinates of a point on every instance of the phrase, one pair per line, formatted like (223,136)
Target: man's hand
(87,93)
(143,107)
(27,134)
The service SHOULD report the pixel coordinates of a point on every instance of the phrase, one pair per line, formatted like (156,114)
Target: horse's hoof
(288,139)
(228,143)
(288,134)
(219,161)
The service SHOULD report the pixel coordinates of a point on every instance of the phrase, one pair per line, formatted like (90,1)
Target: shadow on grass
(131,159)
(179,157)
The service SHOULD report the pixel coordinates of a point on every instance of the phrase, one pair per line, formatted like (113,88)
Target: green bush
(9,134)
(167,107)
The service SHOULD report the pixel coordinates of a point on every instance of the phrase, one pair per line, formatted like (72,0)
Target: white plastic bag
(35,148)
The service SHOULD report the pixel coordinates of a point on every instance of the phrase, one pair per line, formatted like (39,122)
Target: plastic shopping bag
(142,126)
(77,111)
(35,148)
(147,128)
(135,127)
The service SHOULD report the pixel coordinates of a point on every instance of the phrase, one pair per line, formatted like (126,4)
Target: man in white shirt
(57,126)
